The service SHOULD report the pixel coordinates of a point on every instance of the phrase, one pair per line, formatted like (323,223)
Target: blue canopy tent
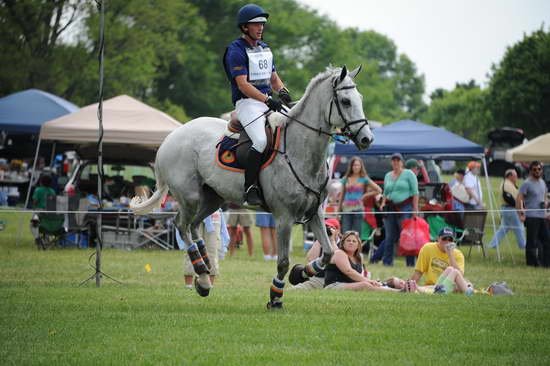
(416,139)
(24,112)
(21,116)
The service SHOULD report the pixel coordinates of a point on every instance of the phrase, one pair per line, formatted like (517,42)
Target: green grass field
(47,318)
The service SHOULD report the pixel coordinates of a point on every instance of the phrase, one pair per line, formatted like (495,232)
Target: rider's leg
(250,113)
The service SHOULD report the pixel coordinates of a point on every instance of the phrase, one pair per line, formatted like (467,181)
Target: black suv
(500,140)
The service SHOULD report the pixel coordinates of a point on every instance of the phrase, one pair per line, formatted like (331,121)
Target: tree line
(168,53)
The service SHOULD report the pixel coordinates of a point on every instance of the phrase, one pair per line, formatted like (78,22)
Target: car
(120,180)
(501,140)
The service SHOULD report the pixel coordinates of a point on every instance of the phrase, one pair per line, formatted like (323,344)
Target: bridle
(346,131)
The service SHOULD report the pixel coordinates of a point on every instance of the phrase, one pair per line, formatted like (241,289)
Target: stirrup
(252,196)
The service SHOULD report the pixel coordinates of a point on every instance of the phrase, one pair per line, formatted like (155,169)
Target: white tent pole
(28,192)
(53,154)
(491,202)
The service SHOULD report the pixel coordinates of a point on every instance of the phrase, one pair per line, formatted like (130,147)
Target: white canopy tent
(536,149)
(132,131)
(126,121)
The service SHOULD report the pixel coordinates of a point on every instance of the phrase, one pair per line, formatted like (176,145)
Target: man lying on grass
(442,265)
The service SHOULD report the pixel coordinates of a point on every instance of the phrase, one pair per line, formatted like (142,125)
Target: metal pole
(53,154)
(491,202)
(100,148)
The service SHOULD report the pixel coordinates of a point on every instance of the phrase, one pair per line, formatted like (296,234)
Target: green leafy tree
(33,54)
(519,90)
(462,111)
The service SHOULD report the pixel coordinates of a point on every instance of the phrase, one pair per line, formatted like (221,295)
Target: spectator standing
(238,216)
(531,202)
(458,191)
(266,222)
(355,184)
(401,196)
(473,187)
(413,165)
(509,215)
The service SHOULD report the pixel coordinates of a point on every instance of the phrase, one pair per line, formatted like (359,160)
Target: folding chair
(48,227)
(474,226)
(77,232)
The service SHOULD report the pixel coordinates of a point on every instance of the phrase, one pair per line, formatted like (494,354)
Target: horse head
(348,103)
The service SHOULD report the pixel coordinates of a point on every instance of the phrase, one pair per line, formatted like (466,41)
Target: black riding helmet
(251,13)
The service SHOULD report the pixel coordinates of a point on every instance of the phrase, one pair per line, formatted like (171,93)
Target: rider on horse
(248,63)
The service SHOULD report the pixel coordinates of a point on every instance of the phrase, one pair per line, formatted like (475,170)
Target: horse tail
(141,207)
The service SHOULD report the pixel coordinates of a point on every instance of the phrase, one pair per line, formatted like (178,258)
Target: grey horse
(294,184)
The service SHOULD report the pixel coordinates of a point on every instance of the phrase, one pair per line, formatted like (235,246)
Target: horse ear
(353,73)
(343,73)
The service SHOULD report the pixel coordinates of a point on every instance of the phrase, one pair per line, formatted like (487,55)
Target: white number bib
(260,64)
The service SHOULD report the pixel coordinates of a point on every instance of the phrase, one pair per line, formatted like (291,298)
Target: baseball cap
(412,163)
(333,222)
(446,231)
(397,156)
(473,164)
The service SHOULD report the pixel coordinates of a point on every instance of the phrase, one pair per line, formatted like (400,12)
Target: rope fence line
(252,212)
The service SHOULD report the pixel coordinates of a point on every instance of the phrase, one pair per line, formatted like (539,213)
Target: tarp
(24,112)
(536,149)
(415,139)
(125,121)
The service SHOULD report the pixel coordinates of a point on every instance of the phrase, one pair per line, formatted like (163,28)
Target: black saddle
(244,144)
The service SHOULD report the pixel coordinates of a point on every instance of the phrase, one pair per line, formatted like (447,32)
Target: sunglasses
(447,238)
(351,232)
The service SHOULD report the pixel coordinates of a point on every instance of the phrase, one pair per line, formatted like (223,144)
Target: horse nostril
(365,141)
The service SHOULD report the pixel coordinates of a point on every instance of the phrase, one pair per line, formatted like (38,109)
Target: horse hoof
(274,305)
(201,290)
(295,276)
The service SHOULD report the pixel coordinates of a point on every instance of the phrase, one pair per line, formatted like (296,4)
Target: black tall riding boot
(252,170)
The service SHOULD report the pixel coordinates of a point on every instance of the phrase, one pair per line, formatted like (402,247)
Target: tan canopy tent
(536,149)
(132,132)
(125,121)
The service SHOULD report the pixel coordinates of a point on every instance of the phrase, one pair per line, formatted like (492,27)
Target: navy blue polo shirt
(235,62)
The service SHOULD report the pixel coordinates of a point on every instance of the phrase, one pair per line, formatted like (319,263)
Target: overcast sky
(449,40)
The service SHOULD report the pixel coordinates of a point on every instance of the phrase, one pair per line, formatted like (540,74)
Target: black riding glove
(284,96)
(274,104)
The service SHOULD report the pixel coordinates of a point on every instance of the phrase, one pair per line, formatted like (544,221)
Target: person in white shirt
(473,187)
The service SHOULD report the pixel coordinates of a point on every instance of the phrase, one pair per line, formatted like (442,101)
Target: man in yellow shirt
(442,265)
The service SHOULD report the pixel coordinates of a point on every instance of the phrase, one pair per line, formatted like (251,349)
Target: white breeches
(249,110)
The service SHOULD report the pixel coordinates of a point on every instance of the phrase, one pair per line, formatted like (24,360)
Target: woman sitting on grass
(346,267)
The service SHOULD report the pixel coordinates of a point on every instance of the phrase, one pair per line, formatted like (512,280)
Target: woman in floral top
(355,184)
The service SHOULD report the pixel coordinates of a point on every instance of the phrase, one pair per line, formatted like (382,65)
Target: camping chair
(474,226)
(48,227)
(76,230)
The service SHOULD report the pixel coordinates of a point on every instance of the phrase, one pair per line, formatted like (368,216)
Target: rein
(347,133)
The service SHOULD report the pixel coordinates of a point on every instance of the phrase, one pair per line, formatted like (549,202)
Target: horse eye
(346,102)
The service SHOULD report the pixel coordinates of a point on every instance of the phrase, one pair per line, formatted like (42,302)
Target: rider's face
(255,30)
